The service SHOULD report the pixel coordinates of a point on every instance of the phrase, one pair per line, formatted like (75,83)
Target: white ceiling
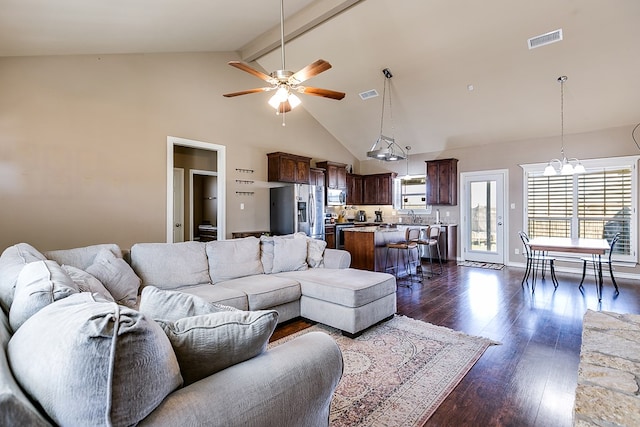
(434,48)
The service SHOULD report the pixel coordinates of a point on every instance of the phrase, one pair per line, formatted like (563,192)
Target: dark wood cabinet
(335,174)
(377,189)
(330,235)
(284,167)
(316,176)
(442,182)
(354,189)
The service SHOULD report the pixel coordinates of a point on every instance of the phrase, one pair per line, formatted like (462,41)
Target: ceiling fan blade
(309,71)
(249,69)
(246,92)
(322,92)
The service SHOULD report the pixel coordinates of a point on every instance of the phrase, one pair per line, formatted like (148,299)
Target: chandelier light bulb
(294,101)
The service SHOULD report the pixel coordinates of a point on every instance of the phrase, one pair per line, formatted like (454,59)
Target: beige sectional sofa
(81,348)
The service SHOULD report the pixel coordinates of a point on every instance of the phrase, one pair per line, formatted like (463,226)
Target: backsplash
(448,214)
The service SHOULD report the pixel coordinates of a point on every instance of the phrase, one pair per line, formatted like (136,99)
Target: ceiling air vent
(368,94)
(545,39)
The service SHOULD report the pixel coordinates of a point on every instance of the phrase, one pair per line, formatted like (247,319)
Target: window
(596,204)
(410,193)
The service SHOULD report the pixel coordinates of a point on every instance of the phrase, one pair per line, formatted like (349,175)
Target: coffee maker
(378,216)
(361,216)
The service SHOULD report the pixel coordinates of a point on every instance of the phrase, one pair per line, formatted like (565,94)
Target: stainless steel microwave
(336,197)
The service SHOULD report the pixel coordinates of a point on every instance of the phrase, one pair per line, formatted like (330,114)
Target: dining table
(594,247)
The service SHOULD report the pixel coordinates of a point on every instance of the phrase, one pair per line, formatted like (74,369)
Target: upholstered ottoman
(347,299)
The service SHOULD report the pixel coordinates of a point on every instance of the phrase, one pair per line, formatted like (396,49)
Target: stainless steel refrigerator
(298,207)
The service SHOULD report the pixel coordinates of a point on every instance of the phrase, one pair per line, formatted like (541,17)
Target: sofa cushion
(12,260)
(39,284)
(170,265)
(117,276)
(212,342)
(219,295)
(158,304)
(346,286)
(265,290)
(229,259)
(289,254)
(81,257)
(15,408)
(86,282)
(87,361)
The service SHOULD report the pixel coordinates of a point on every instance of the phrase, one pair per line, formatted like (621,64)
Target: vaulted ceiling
(463,74)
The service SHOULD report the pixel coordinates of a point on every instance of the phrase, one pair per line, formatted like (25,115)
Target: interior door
(484,219)
(178,205)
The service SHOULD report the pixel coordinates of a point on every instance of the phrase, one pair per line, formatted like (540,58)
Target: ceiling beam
(309,17)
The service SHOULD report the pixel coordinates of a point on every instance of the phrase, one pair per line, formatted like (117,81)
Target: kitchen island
(368,246)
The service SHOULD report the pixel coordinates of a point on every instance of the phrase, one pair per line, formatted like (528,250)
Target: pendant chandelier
(385,148)
(564,166)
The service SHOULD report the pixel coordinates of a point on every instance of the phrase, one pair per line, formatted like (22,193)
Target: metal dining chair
(533,260)
(591,260)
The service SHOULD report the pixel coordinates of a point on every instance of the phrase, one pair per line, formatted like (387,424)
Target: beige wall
(83,143)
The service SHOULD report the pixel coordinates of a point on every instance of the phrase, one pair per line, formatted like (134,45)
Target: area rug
(488,265)
(398,372)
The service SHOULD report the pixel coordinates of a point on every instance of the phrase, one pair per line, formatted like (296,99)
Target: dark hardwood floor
(530,379)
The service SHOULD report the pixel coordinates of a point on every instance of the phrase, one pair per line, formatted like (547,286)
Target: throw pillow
(315,252)
(229,259)
(212,342)
(289,254)
(159,304)
(39,284)
(266,253)
(87,361)
(117,276)
(81,257)
(86,282)
(11,262)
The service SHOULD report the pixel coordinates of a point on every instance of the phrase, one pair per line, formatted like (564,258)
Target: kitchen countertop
(383,229)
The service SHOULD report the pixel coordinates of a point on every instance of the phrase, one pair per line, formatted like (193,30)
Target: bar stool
(433,241)
(408,245)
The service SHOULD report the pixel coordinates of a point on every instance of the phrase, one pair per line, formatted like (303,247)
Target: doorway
(174,143)
(483,216)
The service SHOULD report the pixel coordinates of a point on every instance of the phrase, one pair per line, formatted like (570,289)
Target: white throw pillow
(86,282)
(117,276)
(212,342)
(11,262)
(266,253)
(289,254)
(170,306)
(39,284)
(315,252)
(229,259)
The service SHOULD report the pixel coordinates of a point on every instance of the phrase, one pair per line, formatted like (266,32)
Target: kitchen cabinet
(442,182)
(330,235)
(284,167)
(316,176)
(354,189)
(377,189)
(335,174)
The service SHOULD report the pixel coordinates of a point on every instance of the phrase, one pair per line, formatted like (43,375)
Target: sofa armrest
(289,385)
(336,258)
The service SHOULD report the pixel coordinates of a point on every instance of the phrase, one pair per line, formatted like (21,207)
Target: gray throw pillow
(315,252)
(170,306)
(39,284)
(212,342)
(289,254)
(11,262)
(90,362)
(117,276)
(86,282)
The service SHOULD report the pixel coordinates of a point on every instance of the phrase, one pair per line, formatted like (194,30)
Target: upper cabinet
(335,174)
(316,176)
(284,167)
(378,189)
(442,182)
(354,189)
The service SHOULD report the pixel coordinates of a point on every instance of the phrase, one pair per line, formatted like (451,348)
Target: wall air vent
(545,39)
(368,94)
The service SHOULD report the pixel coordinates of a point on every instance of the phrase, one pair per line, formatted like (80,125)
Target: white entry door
(483,213)
(178,205)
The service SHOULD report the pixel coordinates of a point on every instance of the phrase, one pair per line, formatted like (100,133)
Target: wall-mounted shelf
(241,170)
(244,193)
(243,181)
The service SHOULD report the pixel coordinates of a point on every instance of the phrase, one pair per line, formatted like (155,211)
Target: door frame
(464,233)
(178,172)
(173,141)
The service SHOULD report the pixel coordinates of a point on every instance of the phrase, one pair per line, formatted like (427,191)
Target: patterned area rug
(399,372)
(481,265)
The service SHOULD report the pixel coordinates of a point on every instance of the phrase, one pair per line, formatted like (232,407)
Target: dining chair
(591,260)
(407,245)
(533,260)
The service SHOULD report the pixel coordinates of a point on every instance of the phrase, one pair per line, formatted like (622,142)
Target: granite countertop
(374,229)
